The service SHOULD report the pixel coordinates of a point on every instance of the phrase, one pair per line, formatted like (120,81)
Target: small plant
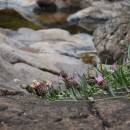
(117,78)
(114,80)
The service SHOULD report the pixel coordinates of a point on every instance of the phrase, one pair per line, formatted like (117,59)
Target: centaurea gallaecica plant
(114,80)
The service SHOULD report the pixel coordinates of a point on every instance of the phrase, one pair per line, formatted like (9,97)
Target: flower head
(35,84)
(39,87)
(99,79)
(60,77)
(127,62)
(70,77)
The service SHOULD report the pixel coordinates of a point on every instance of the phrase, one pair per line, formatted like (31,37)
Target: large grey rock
(27,112)
(115,114)
(63,4)
(21,112)
(52,5)
(36,11)
(29,5)
(112,39)
(40,55)
(100,12)
(12,76)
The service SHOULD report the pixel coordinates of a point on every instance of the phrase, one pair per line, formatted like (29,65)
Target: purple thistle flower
(99,79)
(127,62)
(38,84)
(35,84)
(60,77)
(70,77)
(40,89)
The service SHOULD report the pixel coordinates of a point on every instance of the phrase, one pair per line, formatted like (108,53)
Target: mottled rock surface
(110,22)
(114,113)
(64,4)
(112,39)
(22,112)
(50,5)
(26,55)
(98,13)
(37,11)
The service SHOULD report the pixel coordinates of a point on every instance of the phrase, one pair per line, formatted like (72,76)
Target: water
(12,20)
(15,19)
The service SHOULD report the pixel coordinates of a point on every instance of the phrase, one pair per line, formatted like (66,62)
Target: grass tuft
(113,81)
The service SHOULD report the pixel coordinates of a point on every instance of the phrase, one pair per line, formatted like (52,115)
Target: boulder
(30,5)
(101,11)
(64,4)
(45,14)
(49,5)
(19,112)
(26,112)
(112,39)
(41,55)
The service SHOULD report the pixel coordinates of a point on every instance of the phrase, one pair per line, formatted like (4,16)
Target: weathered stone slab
(40,55)
(115,114)
(38,5)
(101,11)
(24,112)
(112,39)
(28,112)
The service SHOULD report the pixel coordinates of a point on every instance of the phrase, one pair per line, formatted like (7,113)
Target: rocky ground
(18,111)
(112,39)
(27,54)
(92,15)
(109,20)
(54,5)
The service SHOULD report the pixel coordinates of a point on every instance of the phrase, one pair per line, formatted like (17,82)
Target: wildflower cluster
(44,89)
(99,79)
(41,88)
(70,80)
(114,80)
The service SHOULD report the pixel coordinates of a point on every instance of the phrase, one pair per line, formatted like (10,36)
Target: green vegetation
(12,20)
(113,81)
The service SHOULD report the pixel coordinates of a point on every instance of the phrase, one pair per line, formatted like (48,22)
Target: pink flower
(70,77)
(60,77)
(127,62)
(99,79)
(40,89)
(36,84)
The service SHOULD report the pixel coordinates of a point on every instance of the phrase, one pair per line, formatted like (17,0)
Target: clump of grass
(114,80)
